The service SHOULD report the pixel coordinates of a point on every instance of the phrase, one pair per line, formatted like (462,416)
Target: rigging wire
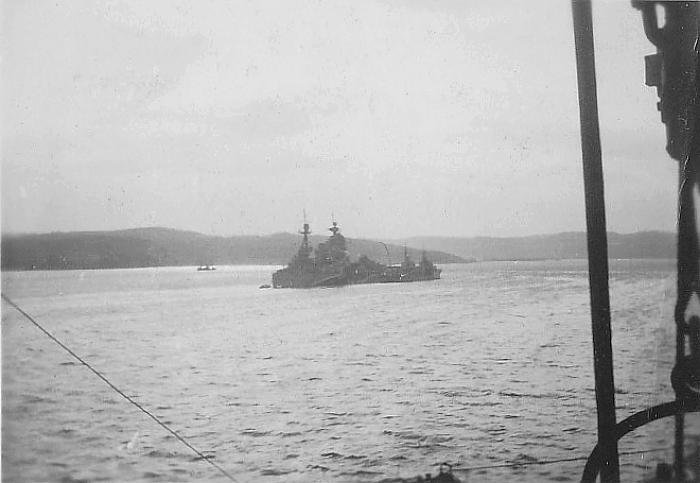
(117,390)
(549,462)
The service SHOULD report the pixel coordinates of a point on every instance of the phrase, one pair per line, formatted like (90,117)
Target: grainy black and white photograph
(372,241)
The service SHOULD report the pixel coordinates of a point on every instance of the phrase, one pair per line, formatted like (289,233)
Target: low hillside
(650,244)
(149,247)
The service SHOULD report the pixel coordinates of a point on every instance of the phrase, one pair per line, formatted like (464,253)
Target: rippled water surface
(492,364)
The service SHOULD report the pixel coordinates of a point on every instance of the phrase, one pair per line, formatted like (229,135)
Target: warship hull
(331,267)
(295,277)
(291,278)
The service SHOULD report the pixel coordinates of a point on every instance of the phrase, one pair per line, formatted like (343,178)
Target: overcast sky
(400,117)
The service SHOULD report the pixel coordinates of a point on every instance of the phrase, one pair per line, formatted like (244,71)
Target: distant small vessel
(331,267)
(206,268)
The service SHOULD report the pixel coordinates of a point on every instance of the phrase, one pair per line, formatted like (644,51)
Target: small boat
(206,268)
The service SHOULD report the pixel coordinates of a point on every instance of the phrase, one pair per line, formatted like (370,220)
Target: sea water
(490,365)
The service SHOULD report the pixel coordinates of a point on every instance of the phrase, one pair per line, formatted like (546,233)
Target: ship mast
(306,231)
(333,229)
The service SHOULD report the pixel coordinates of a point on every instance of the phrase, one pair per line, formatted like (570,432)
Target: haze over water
(490,365)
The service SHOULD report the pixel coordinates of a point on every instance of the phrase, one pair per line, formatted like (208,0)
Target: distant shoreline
(274,266)
(193,267)
(162,247)
(165,247)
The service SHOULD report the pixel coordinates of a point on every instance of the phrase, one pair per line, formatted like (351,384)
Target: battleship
(330,266)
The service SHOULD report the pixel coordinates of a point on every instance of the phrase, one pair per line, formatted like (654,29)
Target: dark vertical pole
(679,448)
(597,239)
(685,261)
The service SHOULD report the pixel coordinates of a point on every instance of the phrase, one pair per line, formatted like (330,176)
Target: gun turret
(672,70)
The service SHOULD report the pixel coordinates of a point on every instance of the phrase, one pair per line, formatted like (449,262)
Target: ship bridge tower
(334,229)
(333,250)
(306,231)
(304,250)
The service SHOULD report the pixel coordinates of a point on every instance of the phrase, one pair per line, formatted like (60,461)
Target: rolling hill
(649,244)
(149,247)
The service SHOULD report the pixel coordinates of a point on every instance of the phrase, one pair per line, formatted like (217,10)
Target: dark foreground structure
(674,71)
(330,266)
